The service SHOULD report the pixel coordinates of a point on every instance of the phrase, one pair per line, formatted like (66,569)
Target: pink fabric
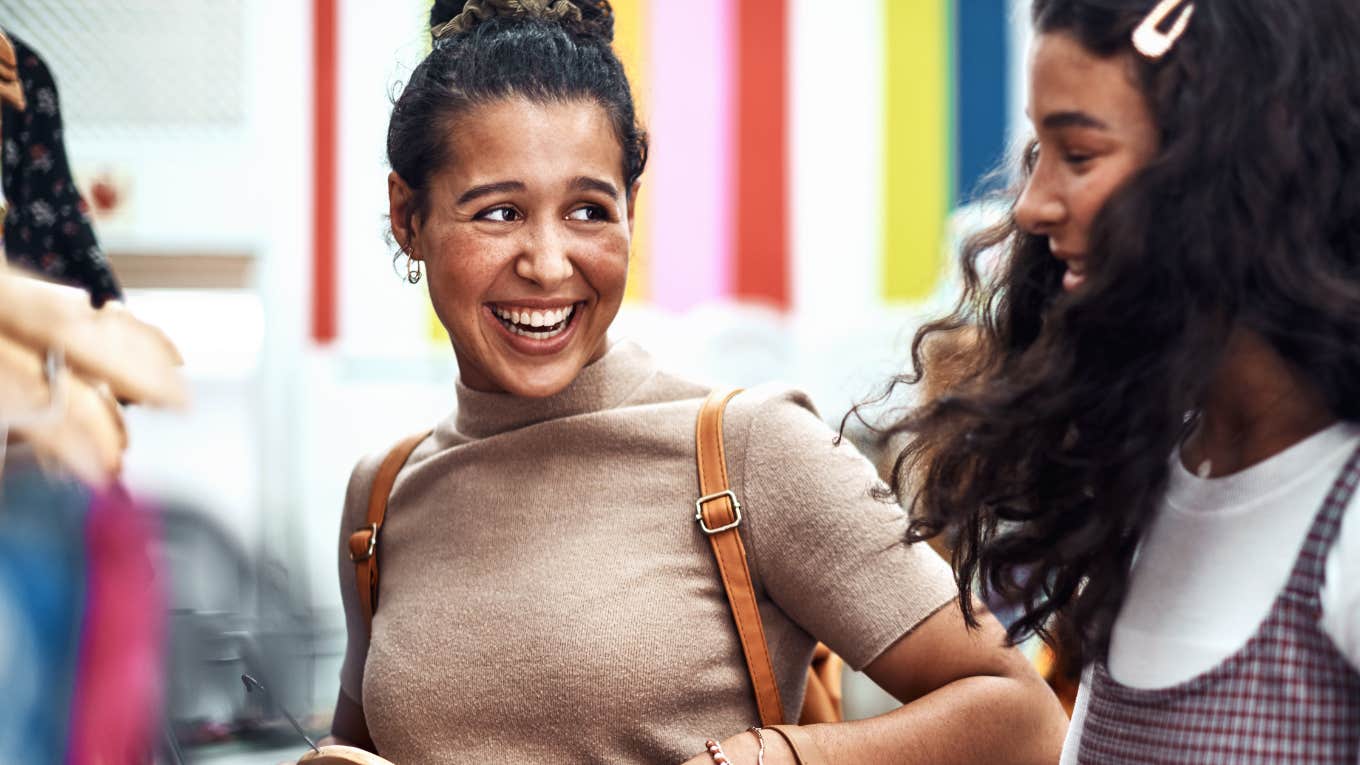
(689,176)
(1287,696)
(118,686)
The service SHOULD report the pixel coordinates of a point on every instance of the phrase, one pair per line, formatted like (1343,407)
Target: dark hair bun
(596,18)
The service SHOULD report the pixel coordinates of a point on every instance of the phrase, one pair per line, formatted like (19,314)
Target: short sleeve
(356,645)
(828,552)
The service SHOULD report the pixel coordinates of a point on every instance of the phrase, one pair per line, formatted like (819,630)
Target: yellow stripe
(917,146)
(630,35)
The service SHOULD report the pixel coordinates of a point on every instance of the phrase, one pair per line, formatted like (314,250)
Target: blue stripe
(981,91)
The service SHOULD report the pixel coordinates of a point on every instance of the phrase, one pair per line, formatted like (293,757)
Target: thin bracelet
(715,751)
(760,755)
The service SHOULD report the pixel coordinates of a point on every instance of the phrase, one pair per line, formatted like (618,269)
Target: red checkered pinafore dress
(1287,696)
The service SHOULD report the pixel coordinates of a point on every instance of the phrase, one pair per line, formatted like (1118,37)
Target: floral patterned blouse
(47,229)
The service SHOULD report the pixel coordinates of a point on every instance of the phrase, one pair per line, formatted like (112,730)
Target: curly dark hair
(509,55)
(1045,463)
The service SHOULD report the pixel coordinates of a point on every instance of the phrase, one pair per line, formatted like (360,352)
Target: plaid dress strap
(1287,696)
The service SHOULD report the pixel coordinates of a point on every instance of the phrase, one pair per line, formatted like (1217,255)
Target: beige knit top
(546,595)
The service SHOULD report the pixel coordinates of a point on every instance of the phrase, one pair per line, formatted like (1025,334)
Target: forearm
(978,719)
(971,720)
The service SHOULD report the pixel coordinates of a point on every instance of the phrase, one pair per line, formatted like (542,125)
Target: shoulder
(365,473)
(779,412)
(360,484)
(776,427)
(788,457)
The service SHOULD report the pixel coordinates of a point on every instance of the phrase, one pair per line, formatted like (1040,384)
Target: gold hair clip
(1150,40)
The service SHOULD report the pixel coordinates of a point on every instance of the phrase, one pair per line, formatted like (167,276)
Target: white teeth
(528,323)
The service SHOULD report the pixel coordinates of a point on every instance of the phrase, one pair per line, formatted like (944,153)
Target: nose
(545,257)
(1039,210)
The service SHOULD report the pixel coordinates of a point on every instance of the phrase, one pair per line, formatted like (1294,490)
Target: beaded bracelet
(715,751)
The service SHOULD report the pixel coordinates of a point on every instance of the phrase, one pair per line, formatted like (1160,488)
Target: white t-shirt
(1216,557)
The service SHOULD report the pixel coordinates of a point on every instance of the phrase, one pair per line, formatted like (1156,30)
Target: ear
(632,204)
(400,199)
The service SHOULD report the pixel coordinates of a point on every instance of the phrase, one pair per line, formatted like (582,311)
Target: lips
(535,330)
(1075,274)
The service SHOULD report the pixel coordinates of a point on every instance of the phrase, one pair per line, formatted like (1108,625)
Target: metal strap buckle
(699,512)
(372,530)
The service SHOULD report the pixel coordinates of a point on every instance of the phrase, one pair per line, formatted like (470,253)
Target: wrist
(745,749)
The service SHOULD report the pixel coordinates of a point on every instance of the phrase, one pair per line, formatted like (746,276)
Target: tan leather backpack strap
(363,543)
(719,515)
(805,750)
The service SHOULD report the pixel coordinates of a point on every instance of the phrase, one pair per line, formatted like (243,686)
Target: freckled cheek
(461,277)
(606,268)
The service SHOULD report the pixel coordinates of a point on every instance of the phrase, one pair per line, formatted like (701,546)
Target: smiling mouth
(535,324)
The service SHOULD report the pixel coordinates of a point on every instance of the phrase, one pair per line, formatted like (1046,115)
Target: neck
(1257,406)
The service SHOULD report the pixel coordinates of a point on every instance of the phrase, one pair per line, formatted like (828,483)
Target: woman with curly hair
(546,594)
(1155,447)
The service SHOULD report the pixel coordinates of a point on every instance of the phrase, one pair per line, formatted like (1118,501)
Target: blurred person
(1155,446)
(47,225)
(545,595)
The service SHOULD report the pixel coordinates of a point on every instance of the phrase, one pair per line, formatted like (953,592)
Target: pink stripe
(689,178)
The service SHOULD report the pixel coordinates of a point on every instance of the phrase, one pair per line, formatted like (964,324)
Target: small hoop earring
(413,270)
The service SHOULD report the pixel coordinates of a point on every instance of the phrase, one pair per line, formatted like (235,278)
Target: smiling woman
(524,238)
(1156,444)
(546,594)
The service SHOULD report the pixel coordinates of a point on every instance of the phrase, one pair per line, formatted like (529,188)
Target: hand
(337,754)
(744,748)
(63,367)
(137,360)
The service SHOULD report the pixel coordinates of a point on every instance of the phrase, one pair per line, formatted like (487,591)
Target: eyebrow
(487,189)
(581,183)
(586,183)
(1058,120)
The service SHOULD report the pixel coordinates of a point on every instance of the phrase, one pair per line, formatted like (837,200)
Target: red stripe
(324,49)
(761,156)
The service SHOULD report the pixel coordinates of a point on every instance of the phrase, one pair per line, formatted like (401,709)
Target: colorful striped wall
(718,81)
(806,154)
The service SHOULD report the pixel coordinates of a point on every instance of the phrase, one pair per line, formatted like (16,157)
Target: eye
(589,213)
(500,215)
(1076,159)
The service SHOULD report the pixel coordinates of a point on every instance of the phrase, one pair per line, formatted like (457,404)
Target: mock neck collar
(604,384)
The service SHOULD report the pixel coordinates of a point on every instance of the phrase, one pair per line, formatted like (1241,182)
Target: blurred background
(811,162)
